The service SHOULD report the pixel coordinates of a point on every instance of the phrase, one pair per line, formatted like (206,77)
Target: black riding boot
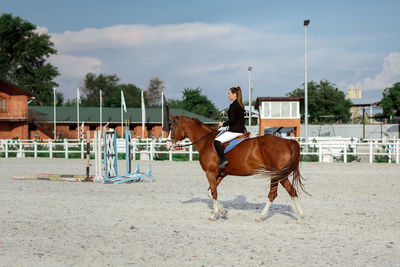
(222,162)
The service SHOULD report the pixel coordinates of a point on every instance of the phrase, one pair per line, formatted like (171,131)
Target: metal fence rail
(319,150)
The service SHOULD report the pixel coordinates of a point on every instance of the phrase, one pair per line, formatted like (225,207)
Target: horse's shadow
(240,203)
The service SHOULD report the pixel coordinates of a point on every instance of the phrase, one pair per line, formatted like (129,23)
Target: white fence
(319,149)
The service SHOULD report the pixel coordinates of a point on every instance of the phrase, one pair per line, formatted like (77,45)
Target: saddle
(228,146)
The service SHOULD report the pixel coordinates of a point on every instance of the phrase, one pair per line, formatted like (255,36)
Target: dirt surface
(352,218)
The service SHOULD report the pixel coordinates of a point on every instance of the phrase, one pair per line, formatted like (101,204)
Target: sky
(211,43)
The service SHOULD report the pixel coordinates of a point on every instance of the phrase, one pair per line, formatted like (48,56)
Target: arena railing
(317,150)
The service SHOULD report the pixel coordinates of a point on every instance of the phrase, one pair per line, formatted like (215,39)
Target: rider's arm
(232,113)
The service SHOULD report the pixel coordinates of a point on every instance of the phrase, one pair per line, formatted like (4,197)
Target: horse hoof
(224,213)
(213,218)
(259,219)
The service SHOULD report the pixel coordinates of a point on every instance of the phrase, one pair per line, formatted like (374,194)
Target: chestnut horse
(270,155)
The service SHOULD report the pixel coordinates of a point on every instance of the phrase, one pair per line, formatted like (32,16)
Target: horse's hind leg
(273,192)
(292,192)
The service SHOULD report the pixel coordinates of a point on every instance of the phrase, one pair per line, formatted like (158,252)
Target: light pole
(306,22)
(54,114)
(77,122)
(101,112)
(249,68)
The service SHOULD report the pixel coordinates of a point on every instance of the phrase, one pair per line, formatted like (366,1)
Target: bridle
(182,137)
(174,129)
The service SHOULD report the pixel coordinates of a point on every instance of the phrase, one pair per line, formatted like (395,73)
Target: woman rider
(235,123)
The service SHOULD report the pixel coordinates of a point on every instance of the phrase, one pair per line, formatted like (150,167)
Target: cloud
(138,35)
(211,56)
(73,66)
(389,74)
(41,30)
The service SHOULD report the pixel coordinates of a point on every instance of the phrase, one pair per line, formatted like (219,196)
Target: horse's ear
(172,117)
(183,114)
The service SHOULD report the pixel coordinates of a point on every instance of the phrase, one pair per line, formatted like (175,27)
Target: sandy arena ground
(352,218)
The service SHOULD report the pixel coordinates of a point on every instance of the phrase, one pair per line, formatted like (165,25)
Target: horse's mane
(198,122)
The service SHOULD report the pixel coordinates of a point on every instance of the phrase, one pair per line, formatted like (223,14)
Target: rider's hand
(220,124)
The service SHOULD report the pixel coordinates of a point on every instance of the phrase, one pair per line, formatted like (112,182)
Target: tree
(93,84)
(111,90)
(154,90)
(23,54)
(132,96)
(194,101)
(70,103)
(391,100)
(59,99)
(326,103)
(175,103)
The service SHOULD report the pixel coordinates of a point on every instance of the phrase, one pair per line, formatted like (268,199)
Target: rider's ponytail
(238,92)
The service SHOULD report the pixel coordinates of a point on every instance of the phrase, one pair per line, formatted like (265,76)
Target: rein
(199,139)
(180,146)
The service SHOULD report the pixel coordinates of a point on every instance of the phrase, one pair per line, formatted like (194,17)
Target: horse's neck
(195,132)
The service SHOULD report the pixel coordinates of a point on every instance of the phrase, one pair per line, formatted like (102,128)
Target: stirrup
(222,164)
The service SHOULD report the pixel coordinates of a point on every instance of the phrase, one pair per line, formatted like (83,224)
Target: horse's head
(177,131)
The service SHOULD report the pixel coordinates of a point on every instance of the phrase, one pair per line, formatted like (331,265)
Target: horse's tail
(293,167)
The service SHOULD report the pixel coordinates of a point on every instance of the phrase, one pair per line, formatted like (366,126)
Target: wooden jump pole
(87,179)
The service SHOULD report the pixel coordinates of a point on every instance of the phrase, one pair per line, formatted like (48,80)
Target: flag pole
(122,117)
(77,108)
(101,112)
(143,115)
(55,114)
(165,116)
(162,111)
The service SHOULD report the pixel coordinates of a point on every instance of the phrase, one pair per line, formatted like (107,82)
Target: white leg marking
(222,211)
(218,208)
(209,193)
(299,209)
(264,212)
(215,210)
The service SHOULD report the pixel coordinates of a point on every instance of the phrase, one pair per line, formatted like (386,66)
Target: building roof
(12,89)
(111,115)
(365,102)
(276,99)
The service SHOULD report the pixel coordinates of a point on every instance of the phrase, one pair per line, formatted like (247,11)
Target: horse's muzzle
(170,146)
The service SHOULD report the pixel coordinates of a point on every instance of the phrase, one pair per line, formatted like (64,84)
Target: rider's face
(232,96)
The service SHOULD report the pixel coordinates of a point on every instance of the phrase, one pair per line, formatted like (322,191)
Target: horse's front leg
(219,179)
(218,209)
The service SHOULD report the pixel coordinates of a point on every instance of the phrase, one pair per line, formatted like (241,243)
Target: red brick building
(13,111)
(18,120)
(41,121)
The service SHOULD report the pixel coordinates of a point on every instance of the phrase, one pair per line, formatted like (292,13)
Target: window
(275,109)
(266,109)
(284,109)
(294,110)
(2,104)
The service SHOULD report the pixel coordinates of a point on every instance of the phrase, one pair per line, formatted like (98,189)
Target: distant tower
(354,92)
